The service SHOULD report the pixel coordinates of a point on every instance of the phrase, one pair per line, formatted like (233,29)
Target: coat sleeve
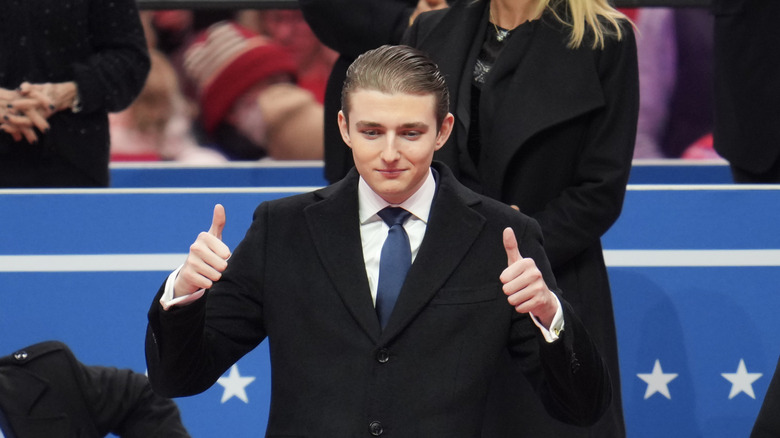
(351,27)
(124,404)
(767,423)
(569,375)
(113,76)
(118,401)
(188,348)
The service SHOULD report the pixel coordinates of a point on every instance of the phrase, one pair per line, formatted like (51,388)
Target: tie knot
(394,215)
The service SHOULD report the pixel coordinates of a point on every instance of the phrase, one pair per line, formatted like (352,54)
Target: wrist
(550,310)
(66,96)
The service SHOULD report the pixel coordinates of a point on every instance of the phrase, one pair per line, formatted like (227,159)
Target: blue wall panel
(697,318)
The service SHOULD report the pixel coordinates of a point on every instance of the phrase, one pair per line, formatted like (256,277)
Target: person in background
(674,48)
(379,319)
(351,27)
(63,67)
(747,89)
(158,125)
(45,391)
(250,107)
(545,97)
(288,28)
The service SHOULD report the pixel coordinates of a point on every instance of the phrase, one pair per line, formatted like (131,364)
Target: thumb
(510,245)
(218,221)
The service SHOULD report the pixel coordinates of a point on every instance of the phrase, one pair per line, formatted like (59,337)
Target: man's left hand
(524,285)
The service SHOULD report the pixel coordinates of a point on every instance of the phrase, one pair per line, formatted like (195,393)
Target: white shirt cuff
(556,327)
(167,300)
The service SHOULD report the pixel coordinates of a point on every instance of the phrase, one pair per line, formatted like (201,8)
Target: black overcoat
(298,279)
(557,132)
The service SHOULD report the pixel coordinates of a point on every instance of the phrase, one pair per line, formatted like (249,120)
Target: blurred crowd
(201,105)
(675,49)
(226,85)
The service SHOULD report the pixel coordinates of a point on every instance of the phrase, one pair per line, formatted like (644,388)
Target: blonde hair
(595,17)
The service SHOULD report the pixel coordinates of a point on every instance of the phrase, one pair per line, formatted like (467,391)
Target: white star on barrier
(741,381)
(657,381)
(235,385)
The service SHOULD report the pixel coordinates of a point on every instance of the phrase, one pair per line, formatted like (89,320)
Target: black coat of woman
(556,128)
(100,46)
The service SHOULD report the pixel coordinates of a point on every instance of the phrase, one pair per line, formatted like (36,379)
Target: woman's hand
(29,106)
(19,121)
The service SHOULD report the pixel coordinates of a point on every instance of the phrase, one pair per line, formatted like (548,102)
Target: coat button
(383,355)
(20,355)
(375,428)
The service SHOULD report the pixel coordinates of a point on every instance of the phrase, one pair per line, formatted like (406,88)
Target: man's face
(393,138)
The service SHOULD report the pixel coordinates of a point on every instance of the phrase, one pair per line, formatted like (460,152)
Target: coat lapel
(530,89)
(20,393)
(452,228)
(338,244)
(19,390)
(335,229)
(535,84)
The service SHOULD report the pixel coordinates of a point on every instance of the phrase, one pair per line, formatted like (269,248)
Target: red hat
(226,60)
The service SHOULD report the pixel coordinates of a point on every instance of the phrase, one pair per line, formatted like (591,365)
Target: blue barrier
(234,174)
(694,271)
(310,173)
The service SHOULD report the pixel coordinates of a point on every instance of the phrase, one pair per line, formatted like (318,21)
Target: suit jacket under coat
(558,128)
(46,392)
(298,278)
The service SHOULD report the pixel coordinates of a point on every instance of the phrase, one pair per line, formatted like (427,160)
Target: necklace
(501,34)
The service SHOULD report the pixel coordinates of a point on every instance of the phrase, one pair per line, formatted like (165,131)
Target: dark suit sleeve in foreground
(189,347)
(768,422)
(97,399)
(570,375)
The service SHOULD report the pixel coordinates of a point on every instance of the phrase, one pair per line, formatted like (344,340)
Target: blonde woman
(545,97)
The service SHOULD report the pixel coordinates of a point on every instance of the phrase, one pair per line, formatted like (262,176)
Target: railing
(292,4)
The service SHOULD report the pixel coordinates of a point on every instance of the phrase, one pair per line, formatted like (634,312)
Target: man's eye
(370,132)
(412,135)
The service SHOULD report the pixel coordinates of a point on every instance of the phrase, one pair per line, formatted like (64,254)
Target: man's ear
(445,130)
(344,128)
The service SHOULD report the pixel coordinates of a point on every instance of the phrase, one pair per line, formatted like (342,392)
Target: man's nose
(390,150)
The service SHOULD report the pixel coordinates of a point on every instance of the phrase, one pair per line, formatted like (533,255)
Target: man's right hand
(207,258)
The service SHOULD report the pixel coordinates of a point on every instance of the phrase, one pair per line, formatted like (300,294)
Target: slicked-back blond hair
(397,69)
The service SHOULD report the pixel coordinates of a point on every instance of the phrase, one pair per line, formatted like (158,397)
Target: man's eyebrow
(410,125)
(367,124)
(415,125)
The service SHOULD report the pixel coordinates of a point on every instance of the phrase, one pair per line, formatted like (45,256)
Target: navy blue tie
(394,262)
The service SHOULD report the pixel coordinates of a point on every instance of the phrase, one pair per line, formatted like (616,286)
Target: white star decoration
(741,381)
(657,381)
(235,385)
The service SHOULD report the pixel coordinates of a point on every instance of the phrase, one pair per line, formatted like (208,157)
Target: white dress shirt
(373,230)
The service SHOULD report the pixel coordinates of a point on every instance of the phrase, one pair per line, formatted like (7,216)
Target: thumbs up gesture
(207,258)
(524,285)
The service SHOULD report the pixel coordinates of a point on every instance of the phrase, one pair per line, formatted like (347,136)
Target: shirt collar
(419,204)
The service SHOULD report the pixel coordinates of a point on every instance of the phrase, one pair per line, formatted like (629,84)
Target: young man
(311,268)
